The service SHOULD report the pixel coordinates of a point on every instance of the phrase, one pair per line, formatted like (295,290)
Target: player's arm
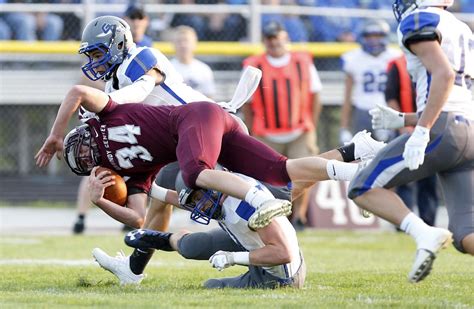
(316,87)
(144,74)
(277,249)
(442,79)
(275,252)
(92,99)
(133,214)
(347,105)
(345,134)
(164,195)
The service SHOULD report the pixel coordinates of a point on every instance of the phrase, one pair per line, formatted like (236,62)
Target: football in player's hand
(116,193)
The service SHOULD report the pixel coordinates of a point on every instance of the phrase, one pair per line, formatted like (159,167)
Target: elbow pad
(136,92)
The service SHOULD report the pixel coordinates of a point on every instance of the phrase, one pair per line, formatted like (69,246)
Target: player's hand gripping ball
(116,193)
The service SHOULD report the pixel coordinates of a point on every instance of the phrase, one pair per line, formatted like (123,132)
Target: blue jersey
(457,43)
(172,91)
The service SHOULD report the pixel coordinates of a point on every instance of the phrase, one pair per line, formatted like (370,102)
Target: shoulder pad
(143,62)
(420,26)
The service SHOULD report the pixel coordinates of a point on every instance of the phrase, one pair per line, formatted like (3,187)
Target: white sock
(338,170)
(413,225)
(256,197)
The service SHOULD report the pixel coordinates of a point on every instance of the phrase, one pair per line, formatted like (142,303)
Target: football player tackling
(271,254)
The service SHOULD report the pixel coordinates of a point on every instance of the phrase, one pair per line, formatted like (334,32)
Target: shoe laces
(120,255)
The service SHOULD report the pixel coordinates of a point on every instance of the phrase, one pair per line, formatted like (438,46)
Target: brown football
(116,193)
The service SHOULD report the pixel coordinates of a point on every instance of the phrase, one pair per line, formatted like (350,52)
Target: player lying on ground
(440,56)
(271,253)
(136,140)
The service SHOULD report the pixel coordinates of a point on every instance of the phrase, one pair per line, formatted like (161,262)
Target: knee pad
(193,246)
(457,241)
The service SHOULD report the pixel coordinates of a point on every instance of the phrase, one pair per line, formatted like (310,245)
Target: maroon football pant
(206,135)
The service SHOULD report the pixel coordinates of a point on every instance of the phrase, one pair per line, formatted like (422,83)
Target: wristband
(158,192)
(241,258)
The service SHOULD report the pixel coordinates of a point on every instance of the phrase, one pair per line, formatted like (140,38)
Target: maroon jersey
(134,140)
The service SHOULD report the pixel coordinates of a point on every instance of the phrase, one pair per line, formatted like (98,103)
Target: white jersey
(457,42)
(197,75)
(235,222)
(369,74)
(172,91)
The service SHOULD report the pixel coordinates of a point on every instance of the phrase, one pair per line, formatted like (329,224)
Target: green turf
(345,269)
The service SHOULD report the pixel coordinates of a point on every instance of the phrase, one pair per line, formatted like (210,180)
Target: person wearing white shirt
(195,73)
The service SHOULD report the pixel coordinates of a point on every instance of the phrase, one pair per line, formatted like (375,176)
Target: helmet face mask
(203,204)
(374,37)
(110,36)
(97,68)
(80,150)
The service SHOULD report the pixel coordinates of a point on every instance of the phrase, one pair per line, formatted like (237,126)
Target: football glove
(414,153)
(384,117)
(222,260)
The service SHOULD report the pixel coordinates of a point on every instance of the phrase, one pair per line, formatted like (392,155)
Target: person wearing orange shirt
(285,108)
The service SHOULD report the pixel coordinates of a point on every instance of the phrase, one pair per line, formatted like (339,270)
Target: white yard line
(84,262)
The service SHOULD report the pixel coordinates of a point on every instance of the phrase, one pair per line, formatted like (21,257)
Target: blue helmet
(404,7)
(112,37)
(372,45)
(204,204)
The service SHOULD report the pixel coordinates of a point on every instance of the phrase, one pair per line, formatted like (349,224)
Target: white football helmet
(403,7)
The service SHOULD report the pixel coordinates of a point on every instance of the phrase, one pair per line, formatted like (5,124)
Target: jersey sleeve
(346,63)
(420,26)
(110,106)
(143,62)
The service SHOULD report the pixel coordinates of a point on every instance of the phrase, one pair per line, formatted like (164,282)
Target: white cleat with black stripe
(119,266)
(365,147)
(428,247)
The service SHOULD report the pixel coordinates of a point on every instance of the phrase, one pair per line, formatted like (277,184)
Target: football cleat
(267,211)
(79,226)
(146,239)
(428,246)
(119,266)
(365,147)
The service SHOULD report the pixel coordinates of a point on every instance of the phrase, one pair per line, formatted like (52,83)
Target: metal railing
(253,11)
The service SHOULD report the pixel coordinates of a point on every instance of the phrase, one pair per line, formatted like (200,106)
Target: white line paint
(85,262)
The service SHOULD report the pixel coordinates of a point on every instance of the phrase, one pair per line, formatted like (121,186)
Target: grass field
(345,269)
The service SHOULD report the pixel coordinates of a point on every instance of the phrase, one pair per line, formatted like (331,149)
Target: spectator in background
(33,26)
(292,23)
(195,21)
(366,76)
(5,32)
(284,111)
(335,28)
(218,26)
(196,74)
(400,95)
(138,20)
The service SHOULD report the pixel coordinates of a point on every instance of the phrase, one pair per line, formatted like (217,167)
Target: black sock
(347,152)
(163,242)
(139,259)
(81,217)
